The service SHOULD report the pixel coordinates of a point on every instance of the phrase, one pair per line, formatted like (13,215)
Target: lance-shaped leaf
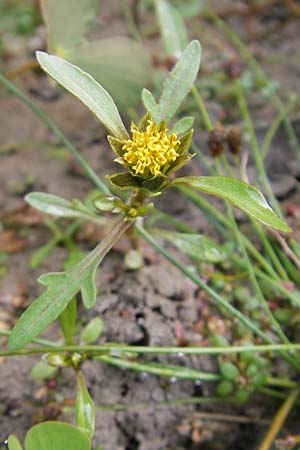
(240,194)
(148,100)
(183,125)
(13,443)
(61,289)
(196,246)
(52,204)
(84,87)
(58,206)
(163,370)
(119,64)
(85,410)
(178,83)
(56,436)
(62,38)
(172,28)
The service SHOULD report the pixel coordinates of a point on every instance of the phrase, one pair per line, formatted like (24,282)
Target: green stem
(57,132)
(251,273)
(202,109)
(254,146)
(270,279)
(125,350)
(275,125)
(158,369)
(204,205)
(221,303)
(270,251)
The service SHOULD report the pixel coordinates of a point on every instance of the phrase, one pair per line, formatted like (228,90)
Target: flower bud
(56,360)
(234,140)
(217,140)
(106,203)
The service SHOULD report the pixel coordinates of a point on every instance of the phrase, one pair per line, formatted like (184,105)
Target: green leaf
(163,370)
(119,64)
(240,194)
(58,206)
(85,410)
(172,28)
(42,371)
(67,320)
(183,125)
(39,256)
(92,331)
(52,204)
(148,100)
(56,436)
(124,181)
(13,443)
(179,83)
(196,246)
(61,288)
(229,370)
(61,38)
(84,87)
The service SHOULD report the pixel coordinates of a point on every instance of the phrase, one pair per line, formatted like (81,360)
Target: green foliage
(57,206)
(240,194)
(13,443)
(178,84)
(42,371)
(84,87)
(85,414)
(92,331)
(62,38)
(120,64)
(56,436)
(172,27)
(196,246)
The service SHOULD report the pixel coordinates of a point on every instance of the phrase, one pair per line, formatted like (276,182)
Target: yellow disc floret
(149,152)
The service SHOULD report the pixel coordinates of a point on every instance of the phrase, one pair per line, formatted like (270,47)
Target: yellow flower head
(150,152)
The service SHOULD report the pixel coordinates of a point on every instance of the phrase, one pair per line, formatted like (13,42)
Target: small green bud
(242,395)
(133,260)
(92,331)
(259,379)
(42,371)
(229,370)
(77,359)
(217,340)
(252,370)
(56,359)
(283,315)
(106,203)
(224,388)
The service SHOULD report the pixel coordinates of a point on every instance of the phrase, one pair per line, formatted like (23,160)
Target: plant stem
(254,147)
(221,303)
(57,132)
(112,348)
(202,109)
(204,205)
(251,273)
(279,420)
(160,369)
(274,127)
